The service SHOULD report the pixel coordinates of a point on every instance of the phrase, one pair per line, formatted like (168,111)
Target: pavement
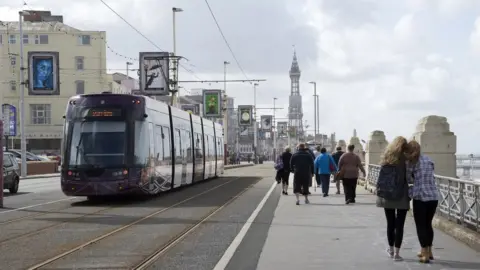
(238,221)
(327,234)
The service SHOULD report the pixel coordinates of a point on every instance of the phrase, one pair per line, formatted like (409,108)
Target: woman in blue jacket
(324,167)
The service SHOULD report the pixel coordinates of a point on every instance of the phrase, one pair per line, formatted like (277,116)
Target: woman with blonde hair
(396,203)
(425,197)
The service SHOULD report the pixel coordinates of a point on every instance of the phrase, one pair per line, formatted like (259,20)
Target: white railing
(459,199)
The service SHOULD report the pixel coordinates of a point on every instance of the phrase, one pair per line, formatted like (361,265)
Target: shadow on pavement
(214,198)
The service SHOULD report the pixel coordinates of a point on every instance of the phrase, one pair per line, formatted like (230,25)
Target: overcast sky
(378,64)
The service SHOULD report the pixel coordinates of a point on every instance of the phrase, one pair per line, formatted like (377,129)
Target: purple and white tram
(117,144)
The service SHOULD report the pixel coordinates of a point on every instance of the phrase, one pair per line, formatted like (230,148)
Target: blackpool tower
(295,111)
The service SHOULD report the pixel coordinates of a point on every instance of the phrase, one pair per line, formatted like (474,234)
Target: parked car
(29,156)
(11,173)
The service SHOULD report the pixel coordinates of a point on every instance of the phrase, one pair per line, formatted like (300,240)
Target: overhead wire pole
(175,73)
(255,121)
(315,108)
(225,114)
(23,139)
(274,131)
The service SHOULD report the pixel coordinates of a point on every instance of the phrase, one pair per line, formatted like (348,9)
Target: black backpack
(389,186)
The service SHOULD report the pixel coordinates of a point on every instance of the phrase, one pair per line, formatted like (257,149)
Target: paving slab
(327,234)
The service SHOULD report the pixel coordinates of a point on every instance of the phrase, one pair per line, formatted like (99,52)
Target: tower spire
(294,69)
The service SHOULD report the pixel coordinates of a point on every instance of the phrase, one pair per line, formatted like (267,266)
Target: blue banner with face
(43,73)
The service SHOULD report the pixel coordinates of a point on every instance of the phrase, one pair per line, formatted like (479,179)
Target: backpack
(388,185)
(279,163)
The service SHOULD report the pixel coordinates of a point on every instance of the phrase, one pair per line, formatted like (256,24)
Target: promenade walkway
(327,234)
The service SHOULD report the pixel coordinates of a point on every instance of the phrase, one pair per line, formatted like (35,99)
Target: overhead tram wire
(226,41)
(144,36)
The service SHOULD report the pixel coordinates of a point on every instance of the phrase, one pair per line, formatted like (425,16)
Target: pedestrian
(302,166)
(392,193)
(324,167)
(336,157)
(284,173)
(424,193)
(349,164)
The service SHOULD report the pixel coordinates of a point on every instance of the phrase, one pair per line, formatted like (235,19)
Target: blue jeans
(325,182)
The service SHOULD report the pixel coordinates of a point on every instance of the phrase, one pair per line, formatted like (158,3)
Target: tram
(118,144)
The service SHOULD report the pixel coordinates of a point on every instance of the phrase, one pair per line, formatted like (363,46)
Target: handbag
(332,166)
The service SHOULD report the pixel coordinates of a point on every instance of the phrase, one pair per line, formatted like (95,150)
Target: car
(11,174)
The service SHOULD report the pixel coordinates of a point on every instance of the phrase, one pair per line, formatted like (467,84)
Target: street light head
(312,82)
(226,63)
(24,12)
(174,9)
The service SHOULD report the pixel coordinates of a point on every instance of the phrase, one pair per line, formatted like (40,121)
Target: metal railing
(459,199)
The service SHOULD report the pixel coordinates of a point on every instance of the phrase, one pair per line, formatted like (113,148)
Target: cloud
(378,64)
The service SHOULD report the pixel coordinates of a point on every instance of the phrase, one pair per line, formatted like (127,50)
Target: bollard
(1,164)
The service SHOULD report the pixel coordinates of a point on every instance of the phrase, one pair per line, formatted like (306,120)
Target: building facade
(81,70)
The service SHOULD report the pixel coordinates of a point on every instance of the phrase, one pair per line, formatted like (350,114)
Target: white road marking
(227,256)
(35,205)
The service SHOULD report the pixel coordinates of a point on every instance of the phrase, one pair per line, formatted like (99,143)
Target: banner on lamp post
(245,115)
(212,103)
(282,129)
(266,122)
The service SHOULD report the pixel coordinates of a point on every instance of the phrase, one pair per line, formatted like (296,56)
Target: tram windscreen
(98,144)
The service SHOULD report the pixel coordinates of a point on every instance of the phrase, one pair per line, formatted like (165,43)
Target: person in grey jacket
(396,210)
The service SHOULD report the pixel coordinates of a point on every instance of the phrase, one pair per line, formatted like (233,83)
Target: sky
(378,64)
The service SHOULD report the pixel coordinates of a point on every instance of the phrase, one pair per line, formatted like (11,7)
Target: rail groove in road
(129,225)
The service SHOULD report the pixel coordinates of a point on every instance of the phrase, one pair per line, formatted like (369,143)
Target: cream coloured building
(82,69)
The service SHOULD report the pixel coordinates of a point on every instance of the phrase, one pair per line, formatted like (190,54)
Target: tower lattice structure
(295,111)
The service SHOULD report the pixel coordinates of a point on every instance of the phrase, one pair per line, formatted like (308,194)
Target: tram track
(125,227)
(13,220)
(53,226)
(152,258)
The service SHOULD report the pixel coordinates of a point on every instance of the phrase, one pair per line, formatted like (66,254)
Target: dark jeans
(423,213)
(395,224)
(324,180)
(350,188)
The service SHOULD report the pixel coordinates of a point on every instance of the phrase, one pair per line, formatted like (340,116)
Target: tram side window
(211,148)
(198,146)
(141,143)
(151,136)
(177,147)
(167,149)
(159,153)
(187,144)
(220,150)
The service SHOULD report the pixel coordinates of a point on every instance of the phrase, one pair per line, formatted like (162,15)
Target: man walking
(349,164)
(302,166)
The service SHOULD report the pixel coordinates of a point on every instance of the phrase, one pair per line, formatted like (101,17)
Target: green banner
(212,103)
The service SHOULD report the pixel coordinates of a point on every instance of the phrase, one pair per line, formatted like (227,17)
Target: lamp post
(175,75)
(255,120)
(274,131)
(225,112)
(23,139)
(128,64)
(315,108)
